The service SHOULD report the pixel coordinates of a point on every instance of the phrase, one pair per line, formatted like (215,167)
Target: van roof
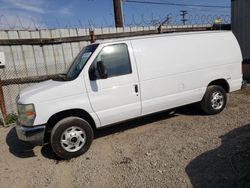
(158,35)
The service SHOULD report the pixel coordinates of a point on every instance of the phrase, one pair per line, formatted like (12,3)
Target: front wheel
(214,100)
(71,137)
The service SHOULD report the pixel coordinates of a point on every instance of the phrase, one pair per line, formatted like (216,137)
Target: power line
(176,4)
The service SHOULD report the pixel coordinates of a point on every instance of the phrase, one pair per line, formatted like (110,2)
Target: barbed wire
(17,22)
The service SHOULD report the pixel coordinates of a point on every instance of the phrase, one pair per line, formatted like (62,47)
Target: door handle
(136,88)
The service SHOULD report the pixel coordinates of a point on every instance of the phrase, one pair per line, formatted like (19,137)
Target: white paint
(114,99)
(170,70)
(191,60)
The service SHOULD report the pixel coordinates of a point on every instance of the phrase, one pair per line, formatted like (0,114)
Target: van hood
(49,90)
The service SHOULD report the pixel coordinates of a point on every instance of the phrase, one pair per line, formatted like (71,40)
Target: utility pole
(183,15)
(118,13)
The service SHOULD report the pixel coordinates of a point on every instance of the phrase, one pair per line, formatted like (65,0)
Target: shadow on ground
(120,127)
(225,166)
(23,150)
(18,148)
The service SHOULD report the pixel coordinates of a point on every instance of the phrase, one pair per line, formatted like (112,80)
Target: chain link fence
(26,64)
(34,55)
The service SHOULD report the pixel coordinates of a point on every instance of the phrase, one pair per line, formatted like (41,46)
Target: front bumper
(33,135)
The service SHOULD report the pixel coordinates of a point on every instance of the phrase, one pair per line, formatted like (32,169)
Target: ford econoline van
(117,80)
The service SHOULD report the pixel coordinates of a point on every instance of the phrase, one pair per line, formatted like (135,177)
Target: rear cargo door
(116,98)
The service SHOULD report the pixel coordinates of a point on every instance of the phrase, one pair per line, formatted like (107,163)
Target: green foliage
(10,119)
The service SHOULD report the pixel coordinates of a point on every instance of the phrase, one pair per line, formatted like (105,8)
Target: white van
(114,81)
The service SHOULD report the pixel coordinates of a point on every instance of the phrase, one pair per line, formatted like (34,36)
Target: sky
(98,13)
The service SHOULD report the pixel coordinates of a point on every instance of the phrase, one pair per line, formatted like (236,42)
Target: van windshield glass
(80,62)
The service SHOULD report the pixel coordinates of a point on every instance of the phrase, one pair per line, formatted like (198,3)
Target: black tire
(207,105)
(60,128)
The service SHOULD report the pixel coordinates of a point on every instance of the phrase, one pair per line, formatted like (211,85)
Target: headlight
(26,114)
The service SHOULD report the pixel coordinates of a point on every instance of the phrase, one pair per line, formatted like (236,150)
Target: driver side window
(115,59)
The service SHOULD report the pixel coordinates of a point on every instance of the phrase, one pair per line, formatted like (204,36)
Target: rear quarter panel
(175,70)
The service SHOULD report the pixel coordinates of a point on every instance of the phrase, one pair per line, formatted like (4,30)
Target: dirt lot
(183,149)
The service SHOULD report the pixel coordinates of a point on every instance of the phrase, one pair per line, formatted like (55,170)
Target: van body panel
(167,71)
(182,66)
(234,85)
(51,97)
(114,99)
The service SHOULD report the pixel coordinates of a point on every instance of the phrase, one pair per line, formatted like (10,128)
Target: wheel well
(221,82)
(67,113)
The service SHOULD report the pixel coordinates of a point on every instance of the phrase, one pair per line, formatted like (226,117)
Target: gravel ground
(181,149)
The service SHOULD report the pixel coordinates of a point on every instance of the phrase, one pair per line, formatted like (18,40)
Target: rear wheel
(214,100)
(71,137)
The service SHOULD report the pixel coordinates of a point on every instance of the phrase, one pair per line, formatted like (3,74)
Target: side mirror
(101,70)
(92,73)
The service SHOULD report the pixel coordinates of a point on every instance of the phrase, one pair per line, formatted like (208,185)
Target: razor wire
(129,21)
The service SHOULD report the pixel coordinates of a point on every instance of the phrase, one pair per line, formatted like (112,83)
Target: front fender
(45,110)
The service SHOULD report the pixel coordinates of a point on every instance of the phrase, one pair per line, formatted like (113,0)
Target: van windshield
(79,62)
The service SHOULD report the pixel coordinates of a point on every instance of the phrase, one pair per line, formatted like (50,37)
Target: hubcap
(217,100)
(73,139)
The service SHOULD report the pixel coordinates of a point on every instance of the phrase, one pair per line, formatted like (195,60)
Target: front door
(117,97)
